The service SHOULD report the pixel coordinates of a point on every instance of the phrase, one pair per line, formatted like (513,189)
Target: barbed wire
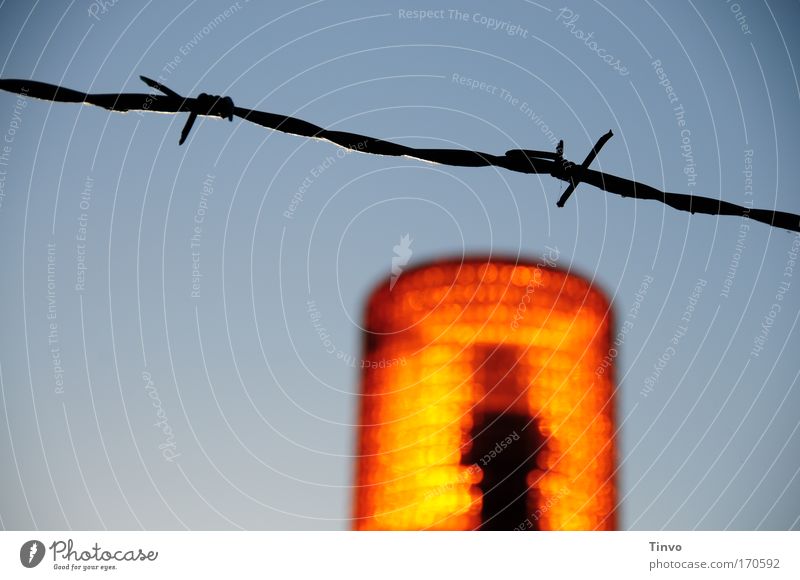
(519,160)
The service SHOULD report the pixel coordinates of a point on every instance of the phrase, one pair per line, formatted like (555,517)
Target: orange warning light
(487,401)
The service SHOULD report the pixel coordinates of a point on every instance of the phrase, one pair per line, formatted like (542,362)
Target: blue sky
(184,384)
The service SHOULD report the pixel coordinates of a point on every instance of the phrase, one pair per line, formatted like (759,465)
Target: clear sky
(159,368)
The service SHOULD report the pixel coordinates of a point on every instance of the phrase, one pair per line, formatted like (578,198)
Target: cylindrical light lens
(487,401)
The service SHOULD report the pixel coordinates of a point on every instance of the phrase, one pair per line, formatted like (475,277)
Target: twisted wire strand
(519,160)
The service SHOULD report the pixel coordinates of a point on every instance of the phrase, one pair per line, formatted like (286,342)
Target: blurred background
(181,326)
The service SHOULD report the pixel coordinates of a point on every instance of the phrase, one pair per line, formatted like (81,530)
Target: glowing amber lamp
(487,401)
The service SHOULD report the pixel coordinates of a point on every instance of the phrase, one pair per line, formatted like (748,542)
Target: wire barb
(574,172)
(208,106)
(159,87)
(205,105)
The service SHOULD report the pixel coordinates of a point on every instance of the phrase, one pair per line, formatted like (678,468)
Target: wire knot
(205,104)
(213,106)
(208,106)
